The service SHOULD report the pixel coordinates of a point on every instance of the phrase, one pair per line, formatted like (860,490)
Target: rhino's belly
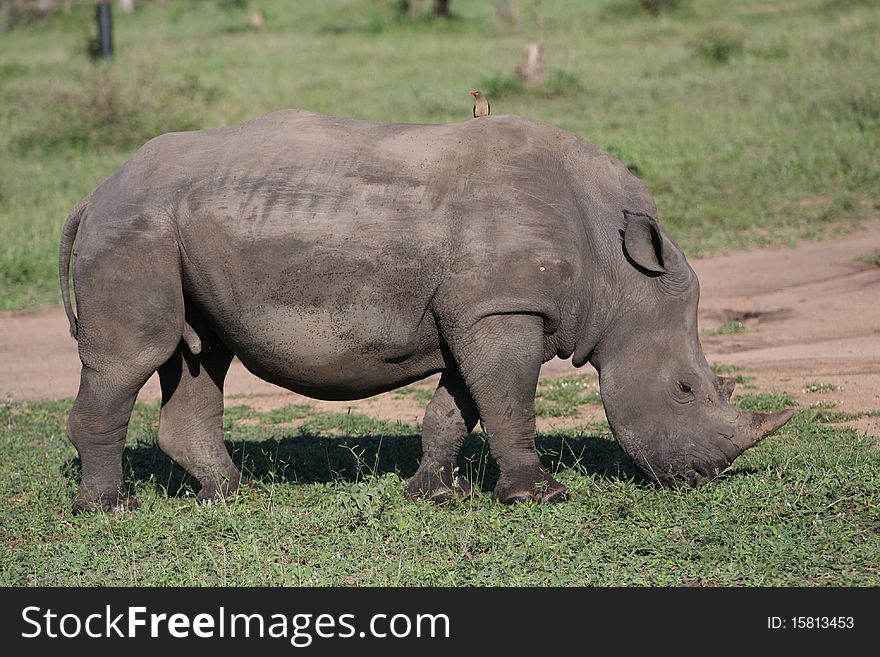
(330,332)
(349,353)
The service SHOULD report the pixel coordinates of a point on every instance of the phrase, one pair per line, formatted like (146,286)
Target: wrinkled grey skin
(341,258)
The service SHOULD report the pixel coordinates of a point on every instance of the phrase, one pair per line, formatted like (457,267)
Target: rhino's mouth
(693,462)
(696,474)
(693,475)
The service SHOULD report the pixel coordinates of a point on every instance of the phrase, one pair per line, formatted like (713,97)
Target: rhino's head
(670,413)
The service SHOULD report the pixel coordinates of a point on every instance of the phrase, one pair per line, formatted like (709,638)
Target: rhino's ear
(643,242)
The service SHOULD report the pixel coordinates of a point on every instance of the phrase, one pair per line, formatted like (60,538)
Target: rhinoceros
(341,258)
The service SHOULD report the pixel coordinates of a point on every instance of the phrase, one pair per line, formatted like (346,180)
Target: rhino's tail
(68,235)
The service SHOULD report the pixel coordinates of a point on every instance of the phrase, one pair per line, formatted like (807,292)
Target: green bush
(719,44)
(872,259)
(108,110)
(557,83)
(561,83)
(500,85)
(655,7)
(233,5)
(20,13)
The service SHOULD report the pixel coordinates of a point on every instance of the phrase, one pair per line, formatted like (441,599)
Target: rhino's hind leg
(97,426)
(450,417)
(500,358)
(130,306)
(191,420)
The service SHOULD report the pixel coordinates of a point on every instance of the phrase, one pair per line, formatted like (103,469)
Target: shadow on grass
(306,458)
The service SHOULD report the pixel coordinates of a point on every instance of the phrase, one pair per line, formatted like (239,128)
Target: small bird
(481,105)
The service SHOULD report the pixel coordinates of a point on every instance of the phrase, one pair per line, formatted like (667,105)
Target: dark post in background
(104,16)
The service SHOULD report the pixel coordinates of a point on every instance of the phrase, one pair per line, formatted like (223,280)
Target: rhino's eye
(682,390)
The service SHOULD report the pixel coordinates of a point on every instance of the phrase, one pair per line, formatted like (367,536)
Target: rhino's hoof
(439,497)
(555,496)
(545,490)
(518,499)
(89,502)
(559,494)
(437,488)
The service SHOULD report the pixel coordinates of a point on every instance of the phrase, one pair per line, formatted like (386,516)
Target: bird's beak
(473,93)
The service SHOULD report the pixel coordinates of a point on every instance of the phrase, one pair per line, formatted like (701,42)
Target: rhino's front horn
(761,425)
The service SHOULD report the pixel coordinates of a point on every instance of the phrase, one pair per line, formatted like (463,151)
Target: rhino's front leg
(449,418)
(500,358)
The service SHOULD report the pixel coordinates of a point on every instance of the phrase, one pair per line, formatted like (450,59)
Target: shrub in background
(720,43)
(655,7)
(108,110)
(558,83)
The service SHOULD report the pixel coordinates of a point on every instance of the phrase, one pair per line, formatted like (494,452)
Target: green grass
(815,386)
(803,508)
(420,394)
(727,328)
(557,83)
(825,404)
(555,397)
(873,259)
(751,121)
(833,417)
(563,396)
(728,370)
(764,402)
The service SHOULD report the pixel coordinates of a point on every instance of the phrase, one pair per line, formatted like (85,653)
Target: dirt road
(811,314)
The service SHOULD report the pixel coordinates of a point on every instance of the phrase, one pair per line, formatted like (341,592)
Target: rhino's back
(318,201)
(306,162)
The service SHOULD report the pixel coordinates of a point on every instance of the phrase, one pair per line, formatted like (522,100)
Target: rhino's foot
(529,487)
(89,500)
(213,490)
(437,484)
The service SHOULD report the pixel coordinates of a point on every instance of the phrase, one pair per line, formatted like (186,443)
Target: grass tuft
(873,259)
(727,328)
(729,371)
(420,394)
(821,387)
(765,402)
